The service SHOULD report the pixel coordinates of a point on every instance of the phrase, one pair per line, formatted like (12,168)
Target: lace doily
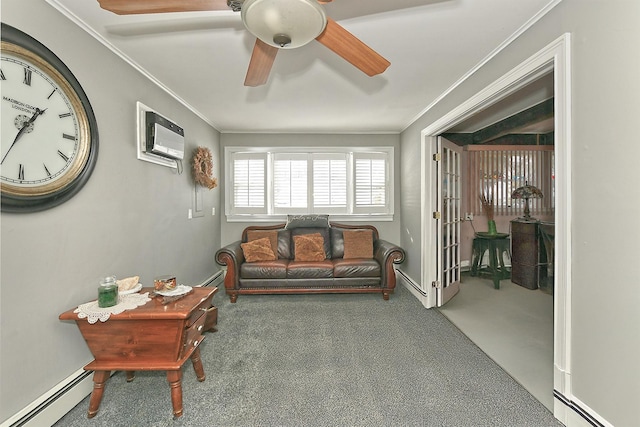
(93,313)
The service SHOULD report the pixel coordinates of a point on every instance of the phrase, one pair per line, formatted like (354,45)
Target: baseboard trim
(579,408)
(52,406)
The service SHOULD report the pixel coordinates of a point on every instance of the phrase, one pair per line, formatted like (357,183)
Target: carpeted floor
(327,360)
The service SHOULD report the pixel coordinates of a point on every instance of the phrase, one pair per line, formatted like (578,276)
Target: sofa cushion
(264,270)
(306,221)
(356,268)
(358,244)
(284,244)
(310,269)
(258,250)
(337,242)
(309,247)
(272,235)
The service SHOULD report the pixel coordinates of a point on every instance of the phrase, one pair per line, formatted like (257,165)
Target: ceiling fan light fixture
(282,40)
(276,21)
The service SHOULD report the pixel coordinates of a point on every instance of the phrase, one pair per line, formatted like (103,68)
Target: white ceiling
(202,58)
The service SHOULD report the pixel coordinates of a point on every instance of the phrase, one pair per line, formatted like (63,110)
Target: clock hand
(24,127)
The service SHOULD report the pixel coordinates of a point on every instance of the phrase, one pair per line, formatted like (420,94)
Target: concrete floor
(512,325)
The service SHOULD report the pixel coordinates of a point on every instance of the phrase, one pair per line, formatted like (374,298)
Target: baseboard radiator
(54,404)
(409,282)
(216,279)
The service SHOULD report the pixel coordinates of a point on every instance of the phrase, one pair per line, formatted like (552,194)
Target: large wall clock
(49,134)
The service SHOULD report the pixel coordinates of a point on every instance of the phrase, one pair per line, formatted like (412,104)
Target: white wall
(129,219)
(388,230)
(605,296)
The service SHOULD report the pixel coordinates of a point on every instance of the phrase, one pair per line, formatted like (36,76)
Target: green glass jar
(107,292)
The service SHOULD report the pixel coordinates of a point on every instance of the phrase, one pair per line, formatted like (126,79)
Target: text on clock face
(17,105)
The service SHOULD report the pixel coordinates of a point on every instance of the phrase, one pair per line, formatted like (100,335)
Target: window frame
(270,213)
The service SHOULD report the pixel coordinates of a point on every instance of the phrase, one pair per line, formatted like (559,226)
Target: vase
(492,227)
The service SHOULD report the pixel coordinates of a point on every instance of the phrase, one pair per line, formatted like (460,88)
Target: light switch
(213,211)
(190,214)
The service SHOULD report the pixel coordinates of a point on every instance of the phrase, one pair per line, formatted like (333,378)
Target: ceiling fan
(277,24)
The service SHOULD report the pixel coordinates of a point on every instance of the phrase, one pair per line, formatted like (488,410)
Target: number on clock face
(40,129)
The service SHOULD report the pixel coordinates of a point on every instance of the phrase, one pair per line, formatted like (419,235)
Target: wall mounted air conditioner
(160,139)
(164,137)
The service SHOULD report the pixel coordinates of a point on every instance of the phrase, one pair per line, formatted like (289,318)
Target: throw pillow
(309,247)
(298,221)
(258,250)
(272,235)
(358,244)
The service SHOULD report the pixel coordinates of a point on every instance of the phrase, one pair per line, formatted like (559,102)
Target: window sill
(332,218)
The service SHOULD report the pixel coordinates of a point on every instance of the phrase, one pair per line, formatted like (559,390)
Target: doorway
(553,58)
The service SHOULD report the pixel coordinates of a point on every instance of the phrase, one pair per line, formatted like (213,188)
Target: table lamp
(527,192)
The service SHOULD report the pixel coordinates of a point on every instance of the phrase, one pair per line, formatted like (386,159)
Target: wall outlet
(468,217)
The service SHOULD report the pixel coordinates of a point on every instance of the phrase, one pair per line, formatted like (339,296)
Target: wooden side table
(152,337)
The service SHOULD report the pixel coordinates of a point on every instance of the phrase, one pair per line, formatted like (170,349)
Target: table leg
(197,365)
(99,379)
(493,262)
(175,382)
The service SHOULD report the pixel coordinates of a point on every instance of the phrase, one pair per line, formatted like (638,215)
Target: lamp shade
(284,23)
(527,192)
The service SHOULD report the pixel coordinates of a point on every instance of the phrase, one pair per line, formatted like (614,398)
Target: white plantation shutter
(330,184)
(249,180)
(336,180)
(370,182)
(290,181)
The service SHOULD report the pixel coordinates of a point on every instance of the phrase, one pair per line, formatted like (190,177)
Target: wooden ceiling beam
(509,126)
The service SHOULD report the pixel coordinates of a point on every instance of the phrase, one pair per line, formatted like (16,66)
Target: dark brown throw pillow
(272,235)
(309,247)
(358,244)
(258,250)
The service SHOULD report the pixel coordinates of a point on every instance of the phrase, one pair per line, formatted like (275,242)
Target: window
(248,171)
(370,183)
(290,182)
(498,170)
(330,182)
(336,181)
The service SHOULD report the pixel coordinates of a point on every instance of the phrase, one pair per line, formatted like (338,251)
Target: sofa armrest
(231,256)
(387,254)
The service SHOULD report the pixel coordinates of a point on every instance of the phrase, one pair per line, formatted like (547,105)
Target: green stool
(497,246)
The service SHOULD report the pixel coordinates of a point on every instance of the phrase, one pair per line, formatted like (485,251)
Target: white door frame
(554,57)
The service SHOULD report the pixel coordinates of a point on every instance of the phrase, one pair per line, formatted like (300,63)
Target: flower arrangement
(203,168)
(488,208)
(487,205)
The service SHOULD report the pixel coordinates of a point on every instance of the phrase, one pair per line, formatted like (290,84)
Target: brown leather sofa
(347,259)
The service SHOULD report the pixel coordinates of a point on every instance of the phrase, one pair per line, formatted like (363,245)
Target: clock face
(48,133)
(40,129)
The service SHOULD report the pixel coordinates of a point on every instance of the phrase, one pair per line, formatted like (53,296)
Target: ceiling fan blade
(349,47)
(260,65)
(131,7)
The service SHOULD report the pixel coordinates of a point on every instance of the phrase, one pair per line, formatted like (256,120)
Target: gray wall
(129,219)
(389,230)
(605,295)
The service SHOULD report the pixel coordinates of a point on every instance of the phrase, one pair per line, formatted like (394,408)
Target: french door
(447,160)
